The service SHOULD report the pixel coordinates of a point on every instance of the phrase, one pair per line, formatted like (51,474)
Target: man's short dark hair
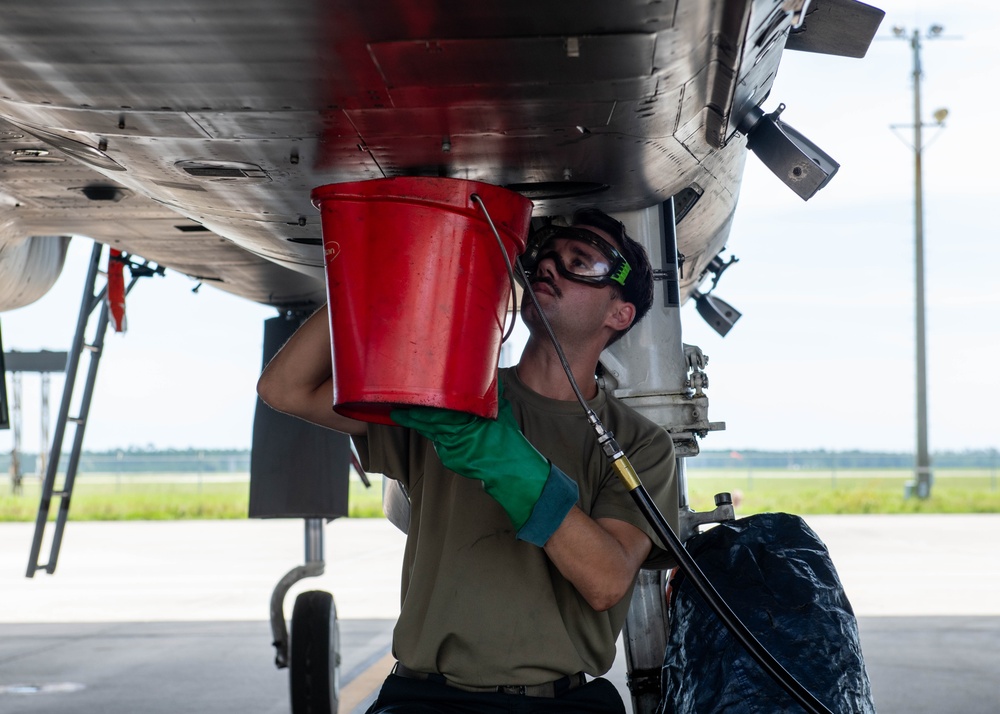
(638,288)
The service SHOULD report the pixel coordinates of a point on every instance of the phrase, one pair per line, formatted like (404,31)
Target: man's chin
(529,313)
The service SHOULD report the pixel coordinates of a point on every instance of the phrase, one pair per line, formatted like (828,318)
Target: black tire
(314,667)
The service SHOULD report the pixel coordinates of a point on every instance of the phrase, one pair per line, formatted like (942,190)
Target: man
(523,547)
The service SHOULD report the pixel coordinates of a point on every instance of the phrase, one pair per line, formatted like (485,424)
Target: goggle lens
(579,255)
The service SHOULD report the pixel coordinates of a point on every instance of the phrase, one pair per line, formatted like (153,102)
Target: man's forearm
(601,558)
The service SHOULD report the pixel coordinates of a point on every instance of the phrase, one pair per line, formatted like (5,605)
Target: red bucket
(418,292)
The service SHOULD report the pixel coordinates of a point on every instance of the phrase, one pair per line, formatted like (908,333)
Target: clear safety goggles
(578,254)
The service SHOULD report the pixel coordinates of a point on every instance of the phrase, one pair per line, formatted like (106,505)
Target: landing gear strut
(314,664)
(300,470)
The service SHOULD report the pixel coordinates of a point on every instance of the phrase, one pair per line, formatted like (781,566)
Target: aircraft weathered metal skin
(190,132)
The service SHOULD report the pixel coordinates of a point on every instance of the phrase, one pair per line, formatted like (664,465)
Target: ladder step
(76,420)
(92,348)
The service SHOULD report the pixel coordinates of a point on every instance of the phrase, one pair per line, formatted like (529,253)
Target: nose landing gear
(313,659)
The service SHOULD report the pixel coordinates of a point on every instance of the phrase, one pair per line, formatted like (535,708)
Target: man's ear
(620,315)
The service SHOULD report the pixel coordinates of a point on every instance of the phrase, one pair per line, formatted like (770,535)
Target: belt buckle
(512,689)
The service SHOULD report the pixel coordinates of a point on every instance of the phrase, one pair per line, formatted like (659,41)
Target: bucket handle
(477,199)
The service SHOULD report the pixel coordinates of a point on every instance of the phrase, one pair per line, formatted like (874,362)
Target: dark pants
(412,696)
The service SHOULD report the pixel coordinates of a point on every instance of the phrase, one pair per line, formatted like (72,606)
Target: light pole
(922,467)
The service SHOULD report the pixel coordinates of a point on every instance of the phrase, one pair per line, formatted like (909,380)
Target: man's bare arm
(600,557)
(299,380)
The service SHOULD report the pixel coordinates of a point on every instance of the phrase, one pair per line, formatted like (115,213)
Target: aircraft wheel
(314,666)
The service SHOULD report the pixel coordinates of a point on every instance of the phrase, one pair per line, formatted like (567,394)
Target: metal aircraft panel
(192,132)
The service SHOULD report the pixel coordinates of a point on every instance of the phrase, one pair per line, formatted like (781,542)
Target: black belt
(547,689)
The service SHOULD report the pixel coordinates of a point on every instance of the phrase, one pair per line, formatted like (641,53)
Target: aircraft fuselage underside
(192,133)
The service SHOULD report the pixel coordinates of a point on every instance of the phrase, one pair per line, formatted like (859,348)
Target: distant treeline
(822,459)
(238,460)
(146,461)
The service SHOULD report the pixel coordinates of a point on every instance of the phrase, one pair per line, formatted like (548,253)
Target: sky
(823,357)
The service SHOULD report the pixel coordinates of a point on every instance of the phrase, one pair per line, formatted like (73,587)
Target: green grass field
(160,498)
(861,491)
(174,497)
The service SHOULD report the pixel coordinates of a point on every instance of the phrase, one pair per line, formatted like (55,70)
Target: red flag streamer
(116,289)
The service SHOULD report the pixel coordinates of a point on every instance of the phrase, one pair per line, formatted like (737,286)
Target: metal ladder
(88,303)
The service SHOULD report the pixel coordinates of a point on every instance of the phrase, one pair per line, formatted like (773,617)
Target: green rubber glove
(535,494)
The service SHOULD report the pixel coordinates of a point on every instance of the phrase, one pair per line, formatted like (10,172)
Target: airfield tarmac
(161,617)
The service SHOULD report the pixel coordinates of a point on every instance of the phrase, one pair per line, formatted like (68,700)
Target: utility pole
(924,476)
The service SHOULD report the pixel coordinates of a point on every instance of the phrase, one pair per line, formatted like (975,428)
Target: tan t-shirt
(483,608)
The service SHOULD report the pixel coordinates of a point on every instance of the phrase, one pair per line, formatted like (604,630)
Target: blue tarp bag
(777,576)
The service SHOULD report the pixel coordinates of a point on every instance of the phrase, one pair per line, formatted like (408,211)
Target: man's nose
(547,266)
